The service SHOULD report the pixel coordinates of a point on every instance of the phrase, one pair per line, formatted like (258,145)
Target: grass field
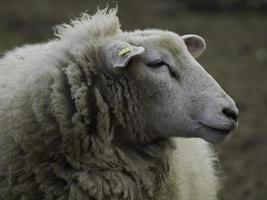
(236,56)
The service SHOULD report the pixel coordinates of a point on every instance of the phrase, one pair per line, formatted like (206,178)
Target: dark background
(236,56)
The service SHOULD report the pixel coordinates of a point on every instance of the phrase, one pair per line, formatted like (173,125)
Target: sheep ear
(195,44)
(120,53)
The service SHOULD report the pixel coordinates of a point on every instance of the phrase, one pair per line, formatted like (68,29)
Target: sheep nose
(231,113)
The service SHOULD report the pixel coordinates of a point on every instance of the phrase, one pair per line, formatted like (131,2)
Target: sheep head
(175,96)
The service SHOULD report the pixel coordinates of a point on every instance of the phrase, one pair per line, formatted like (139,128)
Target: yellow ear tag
(125,51)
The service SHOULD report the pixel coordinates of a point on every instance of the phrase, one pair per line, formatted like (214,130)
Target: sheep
(98,113)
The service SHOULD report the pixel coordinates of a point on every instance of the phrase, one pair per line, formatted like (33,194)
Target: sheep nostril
(230,113)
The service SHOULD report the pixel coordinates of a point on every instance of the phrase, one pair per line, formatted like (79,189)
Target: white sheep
(103,114)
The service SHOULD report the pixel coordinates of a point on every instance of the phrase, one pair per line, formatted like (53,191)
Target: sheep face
(176,96)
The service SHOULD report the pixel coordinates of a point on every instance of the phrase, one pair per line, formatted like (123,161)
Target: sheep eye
(157,64)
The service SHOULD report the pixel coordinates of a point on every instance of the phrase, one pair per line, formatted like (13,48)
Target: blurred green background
(236,56)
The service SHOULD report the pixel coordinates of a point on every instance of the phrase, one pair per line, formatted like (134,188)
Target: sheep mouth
(222,131)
